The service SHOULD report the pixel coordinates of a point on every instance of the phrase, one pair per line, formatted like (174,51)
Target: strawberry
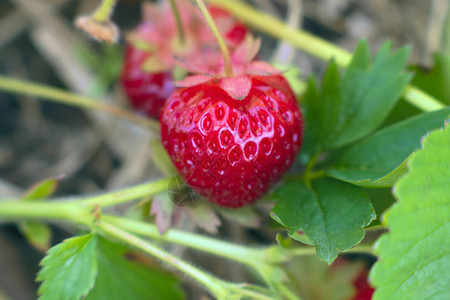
(363,290)
(149,56)
(147,91)
(231,137)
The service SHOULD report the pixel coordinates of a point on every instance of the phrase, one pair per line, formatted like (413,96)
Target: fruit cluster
(229,135)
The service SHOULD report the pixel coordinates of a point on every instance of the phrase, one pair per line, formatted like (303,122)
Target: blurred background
(96,152)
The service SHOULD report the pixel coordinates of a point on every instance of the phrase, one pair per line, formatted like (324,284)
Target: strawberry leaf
(347,109)
(435,81)
(41,189)
(414,256)
(37,234)
(315,280)
(69,269)
(120,278)
(330,213)
(378,160)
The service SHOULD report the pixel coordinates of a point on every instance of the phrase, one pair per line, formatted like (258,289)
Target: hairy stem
(231,251)
(55,210)
(22,87)
(216,286)
(313,45)
(218,35)
(129,194)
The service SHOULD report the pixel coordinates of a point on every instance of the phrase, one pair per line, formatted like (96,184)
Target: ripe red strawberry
(363,290)
(232,150)
(148,89)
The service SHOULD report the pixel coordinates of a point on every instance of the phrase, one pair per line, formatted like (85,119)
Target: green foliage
(90,265)
(121,278)
(378,160)
(38,234)
(414,256)
(69,269)
(41,190)
(315,280)
(107,64)
(348,109)
(435,81)
(331,213)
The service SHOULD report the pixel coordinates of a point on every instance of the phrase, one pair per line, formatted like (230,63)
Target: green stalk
(245,255)
(55,210)
(22,87)
(216,286)
(313,45)
(179,23)
(122,196)
(222,45)
(104,11)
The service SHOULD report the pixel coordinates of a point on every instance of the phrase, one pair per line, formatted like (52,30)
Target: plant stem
(231,251)
(218,35)
(104,11)
(57,210)
(178,21)
(129,194)
(22,87)
(313,45)
(216,286)
(287,292)
(421,100)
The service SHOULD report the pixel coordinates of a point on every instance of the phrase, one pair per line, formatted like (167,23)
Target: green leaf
(41,189)
(120,278)
(331,214)
(381,200)
(435,81)
(348,109)
(69,269)
(414,257)
(313,279)
(379,160)
(37,234)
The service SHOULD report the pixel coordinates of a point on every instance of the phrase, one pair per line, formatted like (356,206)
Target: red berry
(231,150)
(146,91)
(363,290)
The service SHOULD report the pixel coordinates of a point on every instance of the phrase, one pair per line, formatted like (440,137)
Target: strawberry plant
(341,180)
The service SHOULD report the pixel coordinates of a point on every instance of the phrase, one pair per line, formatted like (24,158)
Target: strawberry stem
(104,11)
(22,87)
(179,23)
(218,35)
